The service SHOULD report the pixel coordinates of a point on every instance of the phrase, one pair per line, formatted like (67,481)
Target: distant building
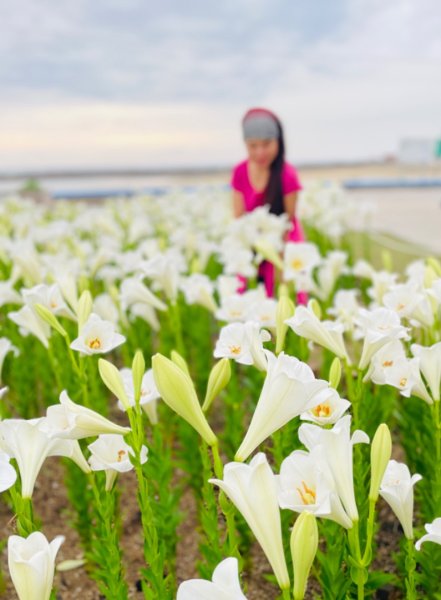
(414,151)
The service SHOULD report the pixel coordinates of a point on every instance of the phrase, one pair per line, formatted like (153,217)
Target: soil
(52,507)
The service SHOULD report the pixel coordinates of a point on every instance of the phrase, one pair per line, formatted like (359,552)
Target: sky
(143,84)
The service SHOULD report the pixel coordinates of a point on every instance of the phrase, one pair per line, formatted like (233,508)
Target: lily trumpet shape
(30,446)
(31,564)
(8,475)
(97,337)
(306,484)
(430,366)
(290,388)
(397,489)
(337,449)
(225,584)
(252,489)
(72,421)
(328,334)
(433,533)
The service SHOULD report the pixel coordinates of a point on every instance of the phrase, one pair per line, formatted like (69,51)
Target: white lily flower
(111,453)
(97,337)
(225,584)
(31,564)
(345,308)
(6,346)
(325,333)
(289,389)
(329,411)
(264,312)
(30,446)
(430,366)
(243,342)
(299,258)
(199,289)
(8,474)
(337,449)
(252,489)
(72,421)
(402,298)
(149,393)
(235,307)
(433,533)
(383,360)
(134,291)
(405,376)
(397,489)
(305,484)
(378,327)
(50,297)
(29,322)
(8,295)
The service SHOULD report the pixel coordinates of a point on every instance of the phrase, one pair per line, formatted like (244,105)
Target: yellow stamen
(235,350)
(306,494)
(403,381)
(388,363)
(297,264)
(121,454)
(94,344)
(322,410)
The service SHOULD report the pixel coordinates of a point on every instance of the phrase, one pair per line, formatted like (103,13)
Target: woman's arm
(289,203)
(238,204)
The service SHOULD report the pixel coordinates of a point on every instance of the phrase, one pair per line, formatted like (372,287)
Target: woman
(266,178)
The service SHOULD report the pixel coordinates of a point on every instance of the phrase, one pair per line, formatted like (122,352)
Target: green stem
(286,594)
(410,564)
(437,465)
(369,533)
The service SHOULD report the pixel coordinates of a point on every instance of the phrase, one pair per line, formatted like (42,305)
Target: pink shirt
(252,198)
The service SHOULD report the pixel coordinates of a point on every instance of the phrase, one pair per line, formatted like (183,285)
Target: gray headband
(260,127)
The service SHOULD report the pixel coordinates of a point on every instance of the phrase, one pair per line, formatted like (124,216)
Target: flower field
(264,443)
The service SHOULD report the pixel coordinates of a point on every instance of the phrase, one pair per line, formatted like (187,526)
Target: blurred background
(116,96)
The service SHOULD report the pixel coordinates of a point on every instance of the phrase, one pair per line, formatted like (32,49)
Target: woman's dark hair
(274,191)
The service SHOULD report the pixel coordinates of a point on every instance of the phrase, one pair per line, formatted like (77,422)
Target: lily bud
(218,379)
(381,450)
(180,362)
(430,276)
(386,259)
(84,309)
(112,380)
(335,373)
(315,307)
(178,392)
(283,290)
(267,250)
(435,264)
(304,544)
(285,310)
(138,370)
(45,314)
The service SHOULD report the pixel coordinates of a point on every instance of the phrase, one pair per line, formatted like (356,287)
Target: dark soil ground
(52,507)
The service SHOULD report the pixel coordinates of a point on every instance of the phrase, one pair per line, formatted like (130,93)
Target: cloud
(136,83)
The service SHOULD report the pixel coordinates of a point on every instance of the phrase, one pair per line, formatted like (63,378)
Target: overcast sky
(140,83)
